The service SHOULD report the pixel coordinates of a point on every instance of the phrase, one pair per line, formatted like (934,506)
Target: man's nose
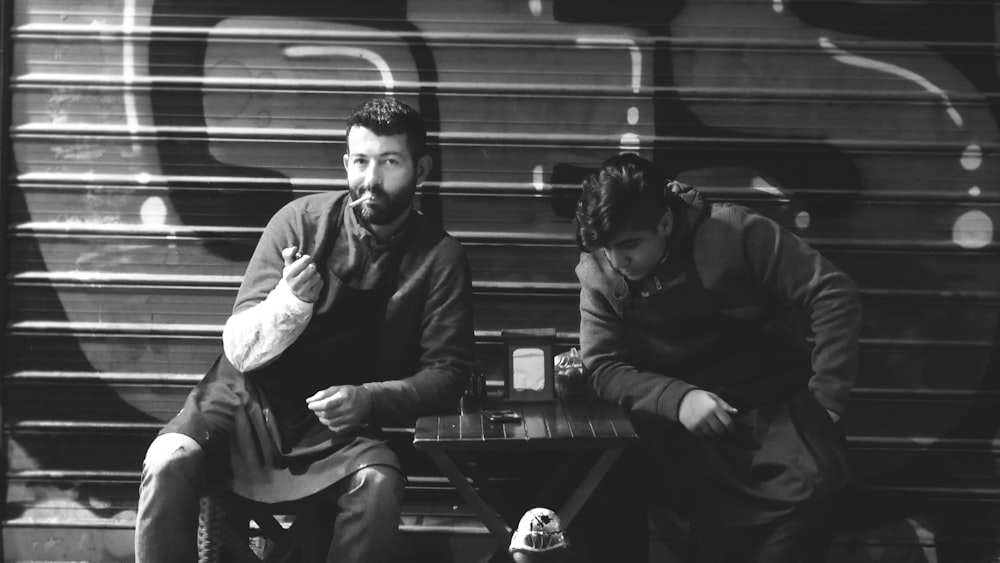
(372,175)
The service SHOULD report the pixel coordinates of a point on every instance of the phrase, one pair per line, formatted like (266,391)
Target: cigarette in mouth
(360,200)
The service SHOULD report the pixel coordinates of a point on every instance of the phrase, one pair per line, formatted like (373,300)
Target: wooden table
(582,424)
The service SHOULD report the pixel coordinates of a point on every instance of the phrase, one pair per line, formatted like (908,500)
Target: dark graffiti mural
(154,138)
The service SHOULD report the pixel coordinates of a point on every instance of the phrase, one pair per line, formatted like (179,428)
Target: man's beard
(393,208)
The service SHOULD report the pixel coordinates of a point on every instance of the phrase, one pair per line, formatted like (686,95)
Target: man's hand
(342,408)
(705,414)
(301,275)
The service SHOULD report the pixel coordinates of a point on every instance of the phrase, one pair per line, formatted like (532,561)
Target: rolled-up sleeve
(267,317)
(256,336)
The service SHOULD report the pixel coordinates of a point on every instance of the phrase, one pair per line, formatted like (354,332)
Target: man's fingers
(714,424)
(303,266)
(724,418)
(717,426)
(326,420)
(314,282)
(288,255)
(725,406)
(306,287)
(316,396)
(337,423)
(325,401)
(304,280)
(329,405)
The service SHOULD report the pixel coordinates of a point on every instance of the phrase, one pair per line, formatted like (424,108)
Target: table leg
(487,490)
(497,527)
(586,487)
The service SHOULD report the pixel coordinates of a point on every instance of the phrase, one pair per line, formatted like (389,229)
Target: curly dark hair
(627,192)
(389,116)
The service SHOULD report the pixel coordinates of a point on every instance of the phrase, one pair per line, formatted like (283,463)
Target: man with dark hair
(688,320)
(355,312)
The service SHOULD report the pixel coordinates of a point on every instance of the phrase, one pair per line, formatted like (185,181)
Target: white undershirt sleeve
(256,336)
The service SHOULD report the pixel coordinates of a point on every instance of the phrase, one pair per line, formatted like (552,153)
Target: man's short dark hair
(627,192)
(389,116)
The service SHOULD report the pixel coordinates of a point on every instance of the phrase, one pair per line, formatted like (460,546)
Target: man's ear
(665,225)
(345,161)
(424,166)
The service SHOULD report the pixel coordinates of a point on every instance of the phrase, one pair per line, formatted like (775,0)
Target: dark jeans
(804,536)
(613,525)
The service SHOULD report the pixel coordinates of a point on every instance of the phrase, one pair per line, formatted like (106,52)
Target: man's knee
(379,482)
(374,487)
(173,452)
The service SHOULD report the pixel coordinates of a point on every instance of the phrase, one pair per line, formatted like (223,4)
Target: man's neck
(385,232)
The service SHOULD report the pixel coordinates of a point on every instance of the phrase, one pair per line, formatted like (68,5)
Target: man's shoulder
(732,234)
(431,238)
(593,271)
(308,207)
(316,204)
(447,245)
(588,264)
(732,213)
(726,220)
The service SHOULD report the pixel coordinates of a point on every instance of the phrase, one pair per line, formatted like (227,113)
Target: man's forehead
(362,132)
(626,234)
(362,139)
